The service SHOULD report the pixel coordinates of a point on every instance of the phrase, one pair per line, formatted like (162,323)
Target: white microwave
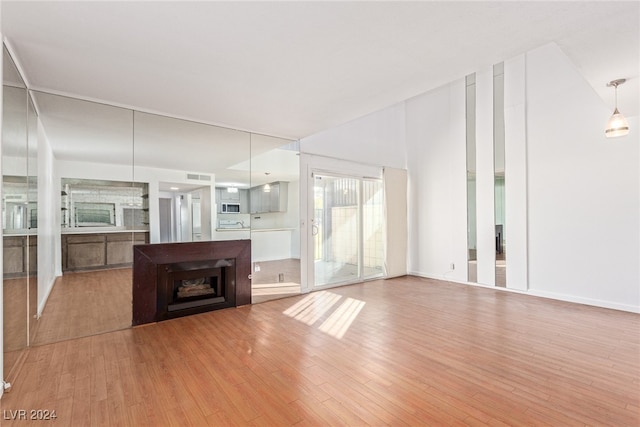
(231,208)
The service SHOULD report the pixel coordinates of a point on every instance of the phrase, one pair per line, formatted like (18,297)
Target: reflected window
(96,203)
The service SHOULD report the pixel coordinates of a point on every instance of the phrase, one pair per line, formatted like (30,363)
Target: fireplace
(178,279)
(189,285)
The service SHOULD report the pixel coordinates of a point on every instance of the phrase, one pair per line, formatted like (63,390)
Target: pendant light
(617,124)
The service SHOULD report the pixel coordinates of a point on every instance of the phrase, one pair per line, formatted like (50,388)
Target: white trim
(43,303)
(16,61)
(310,164)
(539,294)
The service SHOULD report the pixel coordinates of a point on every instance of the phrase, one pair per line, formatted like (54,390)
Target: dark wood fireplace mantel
(151,261)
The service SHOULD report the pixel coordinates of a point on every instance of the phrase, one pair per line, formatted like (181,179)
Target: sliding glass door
(347,229)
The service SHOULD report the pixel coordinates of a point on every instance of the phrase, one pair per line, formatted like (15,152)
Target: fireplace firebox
(196,284)
(178,279)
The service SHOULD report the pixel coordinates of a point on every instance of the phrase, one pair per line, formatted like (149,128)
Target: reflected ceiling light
(267,188)
(174,188)
(232,189)
(617,124)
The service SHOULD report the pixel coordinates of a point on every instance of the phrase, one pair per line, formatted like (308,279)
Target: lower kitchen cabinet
(99,250)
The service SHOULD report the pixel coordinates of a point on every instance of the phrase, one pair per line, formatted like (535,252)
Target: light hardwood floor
(86,303)
(406,351)
(93,302)
(14,322)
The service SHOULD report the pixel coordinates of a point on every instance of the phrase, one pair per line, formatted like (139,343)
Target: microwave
(230,208)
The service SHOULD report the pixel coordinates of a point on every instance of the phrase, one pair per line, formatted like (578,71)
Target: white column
(516,172)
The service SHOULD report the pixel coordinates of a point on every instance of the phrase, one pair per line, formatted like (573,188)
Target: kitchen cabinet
(244,201)
(241,197)
(273,201)
(226,197)
(19,253)
(94,251)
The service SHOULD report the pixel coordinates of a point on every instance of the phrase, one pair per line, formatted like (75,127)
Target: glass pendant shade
(617,125)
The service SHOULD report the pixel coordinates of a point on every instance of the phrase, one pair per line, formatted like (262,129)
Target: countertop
(100,230)
(255,230)
(20,232)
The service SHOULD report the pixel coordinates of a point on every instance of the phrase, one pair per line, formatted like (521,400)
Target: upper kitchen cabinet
(231,194)
(270,197)
(239,198)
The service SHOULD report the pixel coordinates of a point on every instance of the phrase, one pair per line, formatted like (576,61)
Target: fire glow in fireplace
(178,279)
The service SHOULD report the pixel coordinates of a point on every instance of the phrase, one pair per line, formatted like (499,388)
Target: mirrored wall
(472,226)
(499,175)
(19,214)
(116,177)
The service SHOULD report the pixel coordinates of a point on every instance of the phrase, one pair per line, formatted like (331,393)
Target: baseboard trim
(541,294)
(46,296)
(585,301)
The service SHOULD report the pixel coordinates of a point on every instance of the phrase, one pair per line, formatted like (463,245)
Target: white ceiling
(292,69)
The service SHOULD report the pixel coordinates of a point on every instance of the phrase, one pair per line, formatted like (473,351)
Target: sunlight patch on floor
(315,305)
(312,307)
(340,320)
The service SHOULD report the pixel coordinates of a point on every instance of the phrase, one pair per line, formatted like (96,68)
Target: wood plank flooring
(86,303)
(15,322)
(406,351)
(93,302)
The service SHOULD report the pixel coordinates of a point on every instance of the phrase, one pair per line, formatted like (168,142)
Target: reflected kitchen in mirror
(122,177)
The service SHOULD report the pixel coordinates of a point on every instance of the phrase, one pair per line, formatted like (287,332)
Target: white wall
(48,220)
(515,128)
(572,196)
(436,161)
(375,139)
(584,201)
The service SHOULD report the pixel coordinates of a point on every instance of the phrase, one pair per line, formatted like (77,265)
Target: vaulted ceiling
(292,69)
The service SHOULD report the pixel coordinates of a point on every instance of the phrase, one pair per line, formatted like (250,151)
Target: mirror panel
(472,248)
(118,177)
(185,164)
(15,215)
(32,206)
(499,175)
(275,217)
(94,200)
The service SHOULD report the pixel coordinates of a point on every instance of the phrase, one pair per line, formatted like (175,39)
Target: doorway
(347,229)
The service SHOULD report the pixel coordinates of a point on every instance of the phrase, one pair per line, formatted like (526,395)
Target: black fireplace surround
(179,279)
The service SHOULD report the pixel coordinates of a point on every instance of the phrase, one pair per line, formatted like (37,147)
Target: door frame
(310,164)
